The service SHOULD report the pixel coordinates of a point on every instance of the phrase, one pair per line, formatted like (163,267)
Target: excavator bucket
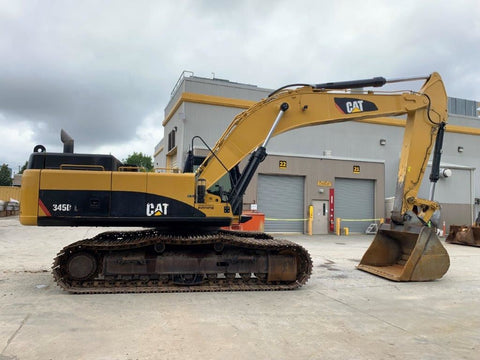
(464,235)
(406,253)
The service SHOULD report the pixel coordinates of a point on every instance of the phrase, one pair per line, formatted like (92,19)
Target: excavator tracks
(154,261)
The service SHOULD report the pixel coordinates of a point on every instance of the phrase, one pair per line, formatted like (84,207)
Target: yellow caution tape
(270,219)
(342,219)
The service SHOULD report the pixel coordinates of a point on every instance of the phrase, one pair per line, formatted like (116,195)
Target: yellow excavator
(184,247)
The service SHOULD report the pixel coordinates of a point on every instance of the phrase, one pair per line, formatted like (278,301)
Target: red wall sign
(331,199)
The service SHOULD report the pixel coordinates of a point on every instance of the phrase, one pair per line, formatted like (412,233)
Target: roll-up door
(354,200)
(281,198)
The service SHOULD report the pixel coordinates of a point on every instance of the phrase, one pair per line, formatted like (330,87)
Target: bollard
(337,226)
(345,231)
(310,220)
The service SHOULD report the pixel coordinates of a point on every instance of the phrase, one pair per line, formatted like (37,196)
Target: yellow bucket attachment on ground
(464,235)
(406,253)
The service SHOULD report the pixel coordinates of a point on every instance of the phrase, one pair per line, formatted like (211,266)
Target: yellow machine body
(117,198)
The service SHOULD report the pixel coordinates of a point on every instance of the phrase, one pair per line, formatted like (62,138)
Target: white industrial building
(346,170)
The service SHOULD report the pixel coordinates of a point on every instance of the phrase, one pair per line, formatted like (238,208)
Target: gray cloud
(104,70)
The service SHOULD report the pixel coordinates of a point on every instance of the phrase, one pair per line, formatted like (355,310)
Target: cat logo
(352,105)
(157,209)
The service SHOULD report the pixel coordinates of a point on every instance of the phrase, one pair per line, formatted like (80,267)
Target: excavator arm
(405,249)
(285,110)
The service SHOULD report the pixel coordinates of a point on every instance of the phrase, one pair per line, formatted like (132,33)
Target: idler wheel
(81,266)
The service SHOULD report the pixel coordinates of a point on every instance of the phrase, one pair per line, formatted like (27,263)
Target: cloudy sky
(104,70)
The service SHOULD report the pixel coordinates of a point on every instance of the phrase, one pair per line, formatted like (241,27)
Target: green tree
(24,167)
(141,160)
(5,176)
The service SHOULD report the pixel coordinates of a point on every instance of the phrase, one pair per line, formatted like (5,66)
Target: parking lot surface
(341,313)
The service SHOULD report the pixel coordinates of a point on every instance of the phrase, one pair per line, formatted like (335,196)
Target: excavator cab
(223,187)
(406,253)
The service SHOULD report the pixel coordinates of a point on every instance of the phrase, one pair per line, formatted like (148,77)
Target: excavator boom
(311,106)
(406,249)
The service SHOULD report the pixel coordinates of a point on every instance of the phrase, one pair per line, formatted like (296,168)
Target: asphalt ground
(341,313)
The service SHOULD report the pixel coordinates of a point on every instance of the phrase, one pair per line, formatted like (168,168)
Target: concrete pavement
(341,313)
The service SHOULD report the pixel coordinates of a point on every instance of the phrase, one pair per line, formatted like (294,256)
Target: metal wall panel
(456,189)
(281,197)
(462,107)
(354,199)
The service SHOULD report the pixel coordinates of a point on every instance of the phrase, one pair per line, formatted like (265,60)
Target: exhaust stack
(67,141)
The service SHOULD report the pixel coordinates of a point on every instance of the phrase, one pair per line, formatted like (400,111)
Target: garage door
(354,199)
(281,198)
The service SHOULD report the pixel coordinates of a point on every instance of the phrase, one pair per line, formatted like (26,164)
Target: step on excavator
(183,247)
